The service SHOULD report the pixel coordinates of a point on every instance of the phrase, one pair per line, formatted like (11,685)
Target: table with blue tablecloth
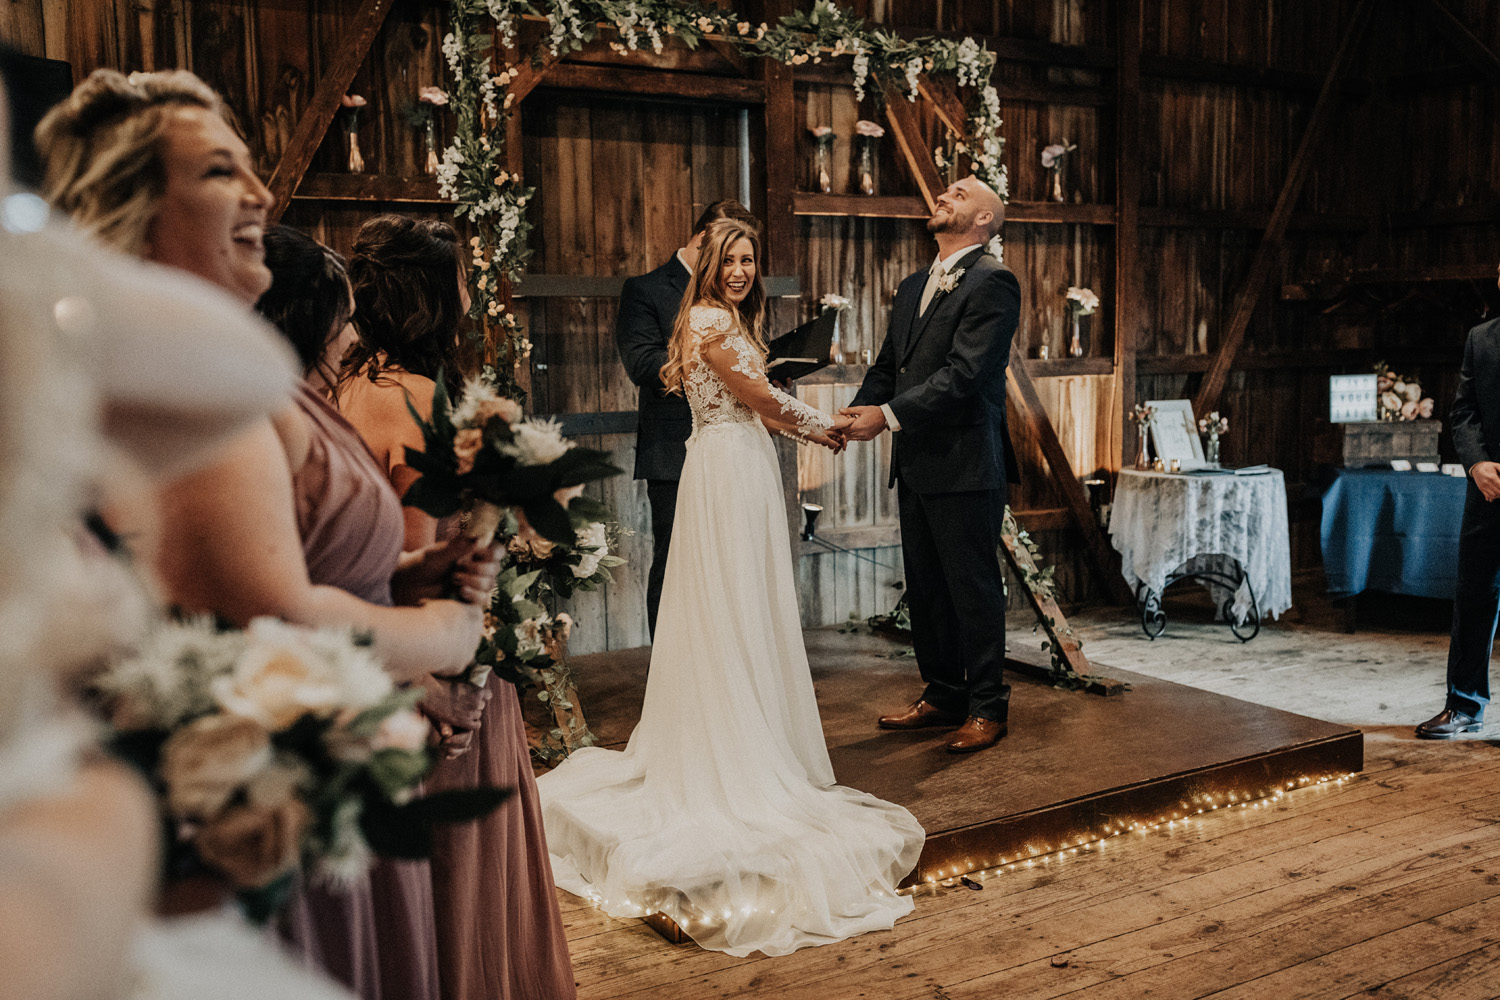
(1392,531)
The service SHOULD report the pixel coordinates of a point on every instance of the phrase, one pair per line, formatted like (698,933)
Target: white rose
(537,442)
(405,730)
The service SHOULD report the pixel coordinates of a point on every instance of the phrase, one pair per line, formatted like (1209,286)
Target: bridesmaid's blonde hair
(103,149)
(706,288)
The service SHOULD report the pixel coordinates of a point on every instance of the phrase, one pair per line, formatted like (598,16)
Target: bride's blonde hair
(706,288)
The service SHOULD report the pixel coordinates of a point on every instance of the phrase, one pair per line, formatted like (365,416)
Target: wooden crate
(1356,445)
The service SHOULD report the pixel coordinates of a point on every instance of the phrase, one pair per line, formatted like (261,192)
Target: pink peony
(432,95)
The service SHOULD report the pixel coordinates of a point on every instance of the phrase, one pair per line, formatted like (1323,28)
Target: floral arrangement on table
(275,748)
(1399,397)
(351,103)
(1211,427)
(475,171)
(837,303)
(422,116)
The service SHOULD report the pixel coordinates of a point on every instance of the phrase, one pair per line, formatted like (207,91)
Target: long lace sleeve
(742,370)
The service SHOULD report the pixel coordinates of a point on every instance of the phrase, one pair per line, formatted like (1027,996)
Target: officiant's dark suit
(648,308)
(1475,418)
(942,374)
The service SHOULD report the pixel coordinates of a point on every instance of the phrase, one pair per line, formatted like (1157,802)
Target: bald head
(968,212)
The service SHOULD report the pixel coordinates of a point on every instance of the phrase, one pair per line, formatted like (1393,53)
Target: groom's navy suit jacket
(943,375)
(648,309)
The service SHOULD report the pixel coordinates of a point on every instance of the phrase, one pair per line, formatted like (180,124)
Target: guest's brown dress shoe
(976,734)
(919,715)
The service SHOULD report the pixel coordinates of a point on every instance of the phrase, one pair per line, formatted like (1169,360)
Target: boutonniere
(950,281)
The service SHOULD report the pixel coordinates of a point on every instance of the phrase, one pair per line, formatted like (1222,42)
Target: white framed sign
(1174,433)
(1351,398)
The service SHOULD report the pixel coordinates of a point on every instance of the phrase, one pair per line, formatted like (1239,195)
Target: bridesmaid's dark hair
(308,300)
(406,301)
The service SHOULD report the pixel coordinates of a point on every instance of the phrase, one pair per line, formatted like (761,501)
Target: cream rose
(275,683)
(207,761)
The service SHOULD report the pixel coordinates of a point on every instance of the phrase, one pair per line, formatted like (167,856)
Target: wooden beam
(909,139)
(359,35)
(1463,39)
(655,83)
(780,122)
(1129,293)
(1270,245)
(1026,410)
(420,190)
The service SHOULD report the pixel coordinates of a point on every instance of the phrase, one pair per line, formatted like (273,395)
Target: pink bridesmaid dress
(500,933)
(378,937)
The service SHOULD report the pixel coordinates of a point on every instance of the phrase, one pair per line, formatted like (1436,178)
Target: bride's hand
(830,439)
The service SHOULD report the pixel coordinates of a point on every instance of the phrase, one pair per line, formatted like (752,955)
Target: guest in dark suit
(648,308)
(939,384)
(1475,418)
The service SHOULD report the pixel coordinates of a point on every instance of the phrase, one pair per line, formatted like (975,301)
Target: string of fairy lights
(1196,810)
(1199,808)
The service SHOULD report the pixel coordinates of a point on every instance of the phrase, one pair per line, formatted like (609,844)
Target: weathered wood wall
(1390,254)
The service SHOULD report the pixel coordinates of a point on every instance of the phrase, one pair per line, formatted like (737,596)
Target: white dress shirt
(940,268)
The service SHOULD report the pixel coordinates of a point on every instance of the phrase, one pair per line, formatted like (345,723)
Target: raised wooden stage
(1075,767)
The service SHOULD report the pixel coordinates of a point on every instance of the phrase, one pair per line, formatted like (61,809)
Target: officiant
(648,309)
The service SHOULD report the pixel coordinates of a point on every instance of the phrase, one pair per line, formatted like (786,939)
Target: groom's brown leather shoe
(919,715)
(976,734)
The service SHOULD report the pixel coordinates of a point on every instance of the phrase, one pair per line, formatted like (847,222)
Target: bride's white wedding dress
(722,811)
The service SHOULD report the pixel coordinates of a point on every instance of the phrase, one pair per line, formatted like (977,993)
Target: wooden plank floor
(1386,886)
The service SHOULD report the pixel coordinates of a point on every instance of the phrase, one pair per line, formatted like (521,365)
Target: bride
(722,810)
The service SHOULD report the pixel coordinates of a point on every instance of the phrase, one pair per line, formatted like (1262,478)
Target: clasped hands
(852,423)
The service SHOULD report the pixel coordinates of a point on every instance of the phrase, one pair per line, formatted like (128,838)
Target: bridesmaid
(500,935)
(151,167)
(342,496)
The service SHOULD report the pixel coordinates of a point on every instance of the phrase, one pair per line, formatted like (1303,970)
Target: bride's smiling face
(737,270)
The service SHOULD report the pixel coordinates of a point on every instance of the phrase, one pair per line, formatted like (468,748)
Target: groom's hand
(869,421)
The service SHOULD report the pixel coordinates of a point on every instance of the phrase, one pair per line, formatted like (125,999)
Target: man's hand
(1487,478)
(867,424)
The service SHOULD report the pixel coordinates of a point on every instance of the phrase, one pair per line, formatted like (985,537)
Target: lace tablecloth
(1163,523)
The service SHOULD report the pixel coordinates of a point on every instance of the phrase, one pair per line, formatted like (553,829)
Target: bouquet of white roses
(274,748)
(483,456)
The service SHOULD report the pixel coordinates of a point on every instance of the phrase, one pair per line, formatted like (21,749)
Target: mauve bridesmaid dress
(378,937)
(500,933)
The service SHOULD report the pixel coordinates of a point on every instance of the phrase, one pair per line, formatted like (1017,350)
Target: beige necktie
(930,289)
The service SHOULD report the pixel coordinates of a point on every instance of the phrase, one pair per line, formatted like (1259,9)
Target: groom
(939,385)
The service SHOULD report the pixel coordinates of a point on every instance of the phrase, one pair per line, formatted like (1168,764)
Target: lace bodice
(742,393)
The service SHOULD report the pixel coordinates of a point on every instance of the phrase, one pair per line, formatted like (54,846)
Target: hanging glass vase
(866,163)
(356,159)
(1075,346)
(822,179)
(1055,182)
(430,167)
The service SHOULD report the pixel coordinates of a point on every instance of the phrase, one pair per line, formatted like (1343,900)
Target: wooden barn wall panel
(619,186)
